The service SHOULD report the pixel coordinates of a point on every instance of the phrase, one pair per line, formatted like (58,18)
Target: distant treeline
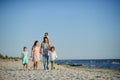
(7,57)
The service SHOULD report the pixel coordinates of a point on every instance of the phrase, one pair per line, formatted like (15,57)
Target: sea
(102,63)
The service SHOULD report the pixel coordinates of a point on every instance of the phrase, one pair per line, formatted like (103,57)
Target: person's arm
(56,56)
(49,45)
(28,55)
(41,48)
(32,52)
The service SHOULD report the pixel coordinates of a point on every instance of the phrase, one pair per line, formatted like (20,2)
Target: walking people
(45,47)
(36,54)
(53,57)
(25,59)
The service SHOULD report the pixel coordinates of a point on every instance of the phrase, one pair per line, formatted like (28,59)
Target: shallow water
(106,63)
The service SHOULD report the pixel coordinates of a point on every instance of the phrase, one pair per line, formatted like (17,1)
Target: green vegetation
(2,56)
(11,58)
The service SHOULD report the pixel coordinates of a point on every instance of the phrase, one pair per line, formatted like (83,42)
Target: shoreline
(64,65)
(88,67)
(91,67)
(67,65)
(98,63)
(13,70)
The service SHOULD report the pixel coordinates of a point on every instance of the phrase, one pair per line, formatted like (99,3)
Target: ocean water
(105,63)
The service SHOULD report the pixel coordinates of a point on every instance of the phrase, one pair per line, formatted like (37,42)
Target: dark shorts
(25,64)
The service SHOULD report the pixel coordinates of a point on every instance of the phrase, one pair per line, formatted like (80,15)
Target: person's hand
(48,51)
(40,52)
(30,56)
(56,59)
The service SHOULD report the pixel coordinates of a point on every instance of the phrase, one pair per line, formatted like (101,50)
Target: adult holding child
(45,47)
(46,35)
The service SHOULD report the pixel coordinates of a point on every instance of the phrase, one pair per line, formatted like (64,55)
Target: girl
(53,57)
(25,59)
(36,54)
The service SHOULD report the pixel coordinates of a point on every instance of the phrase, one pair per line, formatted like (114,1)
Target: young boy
(53,57)
(25,58)
(46,34)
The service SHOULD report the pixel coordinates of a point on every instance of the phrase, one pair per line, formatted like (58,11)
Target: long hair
(35,43)
(44,40)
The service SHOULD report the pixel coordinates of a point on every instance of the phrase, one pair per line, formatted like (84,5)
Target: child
(53,57)
(46,34)
(25,58)
(36,54)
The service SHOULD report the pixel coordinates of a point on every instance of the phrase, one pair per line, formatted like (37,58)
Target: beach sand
(13,70)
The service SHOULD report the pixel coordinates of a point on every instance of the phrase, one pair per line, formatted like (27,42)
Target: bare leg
(26,67)
(34,65)
(37,65)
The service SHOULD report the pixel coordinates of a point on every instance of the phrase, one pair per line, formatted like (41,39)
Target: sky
(79,29)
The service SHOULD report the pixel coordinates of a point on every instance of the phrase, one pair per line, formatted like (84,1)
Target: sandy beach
(13,70)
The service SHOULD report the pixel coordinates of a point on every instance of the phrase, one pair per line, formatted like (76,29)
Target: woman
(45,46)
(36,54)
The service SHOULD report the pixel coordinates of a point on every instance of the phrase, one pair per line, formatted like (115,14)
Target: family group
(45,49)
